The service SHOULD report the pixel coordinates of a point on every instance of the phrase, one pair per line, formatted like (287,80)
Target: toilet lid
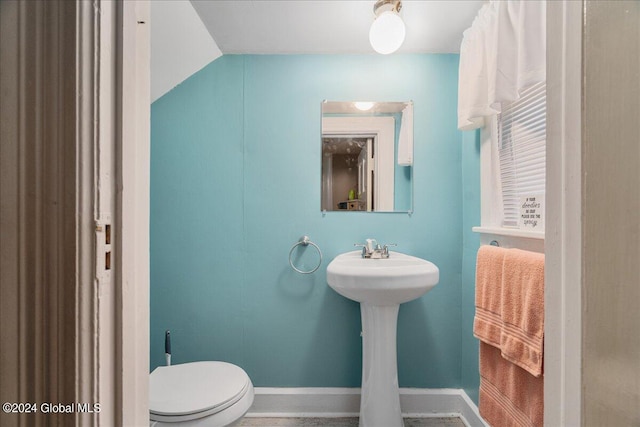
(195,387)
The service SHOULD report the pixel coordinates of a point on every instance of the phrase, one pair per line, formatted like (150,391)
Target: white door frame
(133,180)
(114,70)
(383,127)
(563,276)
(563,234)
(113,116)
(563,339)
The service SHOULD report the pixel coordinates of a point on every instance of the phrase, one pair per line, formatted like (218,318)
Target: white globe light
(364,106)
(387,32)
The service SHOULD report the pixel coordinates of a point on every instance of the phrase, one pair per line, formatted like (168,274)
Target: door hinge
(104,252)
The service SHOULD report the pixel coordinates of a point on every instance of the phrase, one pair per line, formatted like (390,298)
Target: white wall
(180,45)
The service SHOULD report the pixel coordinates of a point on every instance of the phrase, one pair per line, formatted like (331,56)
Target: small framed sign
(532,212)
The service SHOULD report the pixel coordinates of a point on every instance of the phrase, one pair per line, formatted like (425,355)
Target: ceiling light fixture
(387,30)
(364,106)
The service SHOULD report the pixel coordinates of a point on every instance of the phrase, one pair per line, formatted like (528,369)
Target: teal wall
(470,245)
(235,181)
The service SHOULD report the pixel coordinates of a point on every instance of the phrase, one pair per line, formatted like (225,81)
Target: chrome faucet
(372,249)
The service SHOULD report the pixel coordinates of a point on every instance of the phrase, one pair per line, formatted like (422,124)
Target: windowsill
(511,232)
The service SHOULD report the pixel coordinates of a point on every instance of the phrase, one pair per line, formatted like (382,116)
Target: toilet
(202,394)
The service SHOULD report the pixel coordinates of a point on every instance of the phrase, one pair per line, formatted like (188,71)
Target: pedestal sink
(380,286)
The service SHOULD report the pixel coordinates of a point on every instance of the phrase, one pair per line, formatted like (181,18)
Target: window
(521,135)
(513,158)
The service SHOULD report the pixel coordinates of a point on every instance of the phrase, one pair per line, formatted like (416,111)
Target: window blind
(521,146)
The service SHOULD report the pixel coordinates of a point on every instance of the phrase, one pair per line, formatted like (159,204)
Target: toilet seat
(195,390)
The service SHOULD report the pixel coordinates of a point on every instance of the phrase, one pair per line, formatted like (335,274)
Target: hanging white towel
(405,142)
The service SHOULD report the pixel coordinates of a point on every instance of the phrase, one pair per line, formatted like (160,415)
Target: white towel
(405,142)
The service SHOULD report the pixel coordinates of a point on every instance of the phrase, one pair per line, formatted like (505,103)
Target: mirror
(367,156)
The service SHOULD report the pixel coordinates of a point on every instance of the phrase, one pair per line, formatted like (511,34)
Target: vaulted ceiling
(187,35)
(322,26)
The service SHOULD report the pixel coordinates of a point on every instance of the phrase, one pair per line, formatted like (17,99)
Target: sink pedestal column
(380,399)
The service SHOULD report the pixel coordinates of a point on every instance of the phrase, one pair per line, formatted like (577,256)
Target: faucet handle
(385,248)
(363,246)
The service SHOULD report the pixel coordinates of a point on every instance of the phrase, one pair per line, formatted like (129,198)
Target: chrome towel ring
(305,241)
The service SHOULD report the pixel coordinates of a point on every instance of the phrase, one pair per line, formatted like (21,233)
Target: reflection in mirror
(367,156)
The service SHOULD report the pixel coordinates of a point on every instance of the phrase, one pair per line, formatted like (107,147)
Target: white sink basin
(397,279)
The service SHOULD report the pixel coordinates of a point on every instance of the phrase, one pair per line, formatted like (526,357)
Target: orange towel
(521,339)
(487,324)
(510,323)
(509,395)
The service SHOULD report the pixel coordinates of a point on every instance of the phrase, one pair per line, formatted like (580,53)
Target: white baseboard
(345,402)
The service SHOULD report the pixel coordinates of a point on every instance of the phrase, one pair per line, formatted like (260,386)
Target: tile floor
(343,422)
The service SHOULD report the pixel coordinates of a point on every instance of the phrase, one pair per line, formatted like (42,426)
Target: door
(366,175)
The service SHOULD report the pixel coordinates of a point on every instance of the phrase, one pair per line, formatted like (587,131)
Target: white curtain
(502,54)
